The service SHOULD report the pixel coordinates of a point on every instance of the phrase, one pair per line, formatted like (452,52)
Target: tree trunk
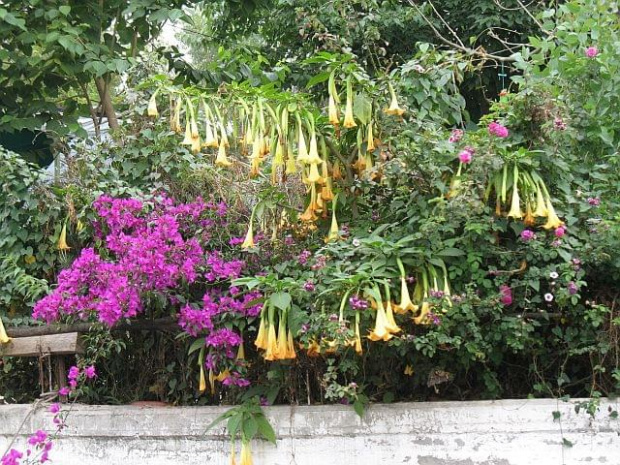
(106,102)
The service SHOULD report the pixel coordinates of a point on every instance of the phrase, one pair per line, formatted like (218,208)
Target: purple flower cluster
(498,130)
(559,124)
(357,303)
(151,248)
(528,235)
(12,457)
(195,320)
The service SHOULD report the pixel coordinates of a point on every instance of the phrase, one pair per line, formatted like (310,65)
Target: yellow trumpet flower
(152,107)
(314,349)
(241,352)
(422,318)
(187,140)
(370,138)
(349,121)
(62,239)
(541,206)
(392,327)
(358,339)
(282,345)
(515,206)
(327,193)
(409,370)
(313,154)
(261,337)
(290,346)
(4,337)
(302,150)
(314,175)
(248,242)
(246,454)
(222,159)
(405,299)
(382,330)
(272,343)
(337,172)
(196,145)
(175,116)
(393,109)
(529,219)
(553,222)
(203,381)
(334,119)
(233,461)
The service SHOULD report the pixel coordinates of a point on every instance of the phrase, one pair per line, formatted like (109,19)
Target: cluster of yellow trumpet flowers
(278,127)
(526,188)
(278,346)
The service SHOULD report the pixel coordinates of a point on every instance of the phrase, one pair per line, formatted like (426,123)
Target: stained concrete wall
(508,432)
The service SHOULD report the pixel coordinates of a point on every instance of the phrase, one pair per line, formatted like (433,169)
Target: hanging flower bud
(152,107)
(349,121)
(370,144)
(334,119)
(62,239)
(394,109)
(222,159)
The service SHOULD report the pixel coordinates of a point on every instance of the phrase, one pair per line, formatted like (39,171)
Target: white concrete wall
(508,432)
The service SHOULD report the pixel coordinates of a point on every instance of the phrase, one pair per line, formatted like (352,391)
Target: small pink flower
(559,232)
(465,156)
(54,408)
(527,235)
(90,372)
(456,136)
(594,201)
(64,391)
(591,52)
(498,130)
(506,291)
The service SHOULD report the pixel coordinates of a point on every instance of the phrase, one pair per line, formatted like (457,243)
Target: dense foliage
(401,253)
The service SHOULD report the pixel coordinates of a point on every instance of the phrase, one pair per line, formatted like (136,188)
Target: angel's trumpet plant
(187,140)
(515,206)
(334,229)
(152,107)
(334,118)
(553,222)
(393,109)
(405,299)
(222,159)
(272,341)
(62,239)
(389,315)
(541,205)
(261,337)
(248,242)
(381,331)
(349,121)
(246,453)
(358,339)
(370,144)
(175,116)
(4,337)
(302,149)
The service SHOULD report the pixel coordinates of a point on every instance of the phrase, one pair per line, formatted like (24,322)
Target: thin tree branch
(469,51)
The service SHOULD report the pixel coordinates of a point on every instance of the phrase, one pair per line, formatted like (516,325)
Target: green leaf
(233,424)
(359,408)
(249,427)
(322,77)
(451,252)
(196,345)
(65,9)
(265,428)
(281,300)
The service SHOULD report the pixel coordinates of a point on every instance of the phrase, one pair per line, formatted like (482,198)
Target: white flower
(548,297)
(553,275)
(356,242)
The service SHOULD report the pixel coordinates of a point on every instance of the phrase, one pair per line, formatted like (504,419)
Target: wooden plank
(160,324)
(54,344)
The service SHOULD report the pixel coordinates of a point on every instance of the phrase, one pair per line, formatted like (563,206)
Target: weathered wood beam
(160,324)
(56,344)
